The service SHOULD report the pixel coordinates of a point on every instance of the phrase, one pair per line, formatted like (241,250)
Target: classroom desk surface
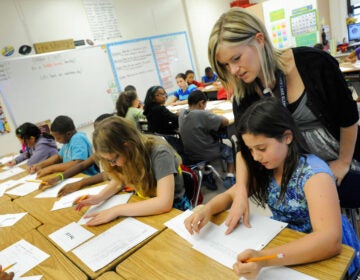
(56,266)
(347,67)
(54,220)
(24,225)
(176,259)
(110,275)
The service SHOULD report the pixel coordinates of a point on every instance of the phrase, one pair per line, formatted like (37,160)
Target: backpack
(191,184)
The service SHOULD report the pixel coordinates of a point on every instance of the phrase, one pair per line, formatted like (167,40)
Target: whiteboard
(77,83)
(150,61)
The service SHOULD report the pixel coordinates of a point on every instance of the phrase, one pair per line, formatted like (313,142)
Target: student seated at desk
(181,94)
(76,169)
(190,79)
(142,161)
(298,187)
(6,276)
(76,147)
(160,119)
(210,76)
(198,129)
(129,106)
(39,146)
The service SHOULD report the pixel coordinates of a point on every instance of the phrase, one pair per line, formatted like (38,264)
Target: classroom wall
(32,21)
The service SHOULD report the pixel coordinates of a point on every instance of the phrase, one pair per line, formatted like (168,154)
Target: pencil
(79,199)
(277,256)
(8,267)
(37,181)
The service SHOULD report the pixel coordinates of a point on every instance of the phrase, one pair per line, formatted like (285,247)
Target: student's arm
(59,167)
(50,161)
(162,203)
(224,122)
(40,153)
(341,165)
(324,242)
(72,187)
(171,100)
(180,102)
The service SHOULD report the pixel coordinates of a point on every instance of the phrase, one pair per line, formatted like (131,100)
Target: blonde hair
(237,27)
(116,135)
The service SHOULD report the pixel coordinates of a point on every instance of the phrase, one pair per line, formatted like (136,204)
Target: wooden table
(54,220)
(176,259)
(24,225)
(110,275)
(57,266)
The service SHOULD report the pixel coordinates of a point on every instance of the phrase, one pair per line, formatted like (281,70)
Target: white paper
(25,256)
(224,248)
(70,236)
(4,160)
(67,200)
(281,273)
(7,185)
(53,191)
(11,172)
(109,245)
(229,116)
(27,177)
(34,277)
(24,189)
(111,202)
(8,220)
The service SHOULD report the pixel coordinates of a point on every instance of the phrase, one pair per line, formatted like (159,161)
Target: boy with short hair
(198,129)
(76,148)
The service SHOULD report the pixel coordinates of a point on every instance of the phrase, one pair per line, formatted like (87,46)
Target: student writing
(299,189)
(76,147)
(146,163)
(39,146)
(129,106)
(182,93)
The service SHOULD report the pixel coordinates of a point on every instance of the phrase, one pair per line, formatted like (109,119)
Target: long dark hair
(268,117)
(149,99)
(124,102)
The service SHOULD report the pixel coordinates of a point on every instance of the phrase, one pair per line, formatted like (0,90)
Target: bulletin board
(150,61)
(77,83)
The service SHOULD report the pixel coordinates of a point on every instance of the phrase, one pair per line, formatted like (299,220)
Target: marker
(277,256)
(8,267)
(79,200)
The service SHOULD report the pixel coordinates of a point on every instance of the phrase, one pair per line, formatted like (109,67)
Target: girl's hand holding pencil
(4,275)
(85,200)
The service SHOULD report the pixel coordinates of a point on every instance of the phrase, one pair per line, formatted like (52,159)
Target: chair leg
(200,177)
(214,171)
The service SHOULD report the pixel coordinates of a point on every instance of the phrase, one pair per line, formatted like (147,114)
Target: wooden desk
(110,275)
(176,259)
(54,220)
(57,266)
(24,225)
(347,67)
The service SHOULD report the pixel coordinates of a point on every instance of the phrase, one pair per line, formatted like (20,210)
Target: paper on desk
(24,255)
(281,273)
(224,248)
(8,220)
(67,200)
(24,189)
(53,191)
(70,236)
(109,245)
(229,116)
(11,172)
(111,202)
(33,277)
(7,185)
(6,159)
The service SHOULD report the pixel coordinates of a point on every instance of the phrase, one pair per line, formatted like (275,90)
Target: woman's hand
(197,220)
(69,188)
(101,217)
(248,270)
(339,169)
(86,200)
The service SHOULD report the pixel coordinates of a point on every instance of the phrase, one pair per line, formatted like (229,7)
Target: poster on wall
(4,124)
(304,27)
(280,34)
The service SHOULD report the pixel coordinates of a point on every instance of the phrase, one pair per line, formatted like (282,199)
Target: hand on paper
(101,217)
(5,275)
(11,163)
(239,209)
(33,169)
(43,172)
(80,202)
(339,169)
(248,270)
(50,182)
(197,220)
(69,188)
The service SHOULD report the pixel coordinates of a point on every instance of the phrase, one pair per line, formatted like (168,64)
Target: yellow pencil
(37,181)
(80,199)
(8,267)
(277,256)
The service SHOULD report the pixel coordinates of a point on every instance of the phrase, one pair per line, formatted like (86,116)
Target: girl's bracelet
(61,175)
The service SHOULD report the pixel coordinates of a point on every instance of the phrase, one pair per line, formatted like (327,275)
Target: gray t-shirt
(164,162)
(198,129)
